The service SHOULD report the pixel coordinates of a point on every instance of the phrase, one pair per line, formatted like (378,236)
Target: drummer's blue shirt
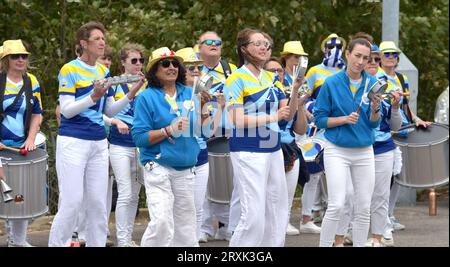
(336,99)
(258,96)
(13,125)
(76,78)
(383,138)
(126,115)
(154,111)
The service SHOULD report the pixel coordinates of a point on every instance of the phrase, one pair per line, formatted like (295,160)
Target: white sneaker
(373,242)
(396,225)
(291,230)
(133,244)
(23,245)
(387,242)
(309,228)
(222,234)
(205,237)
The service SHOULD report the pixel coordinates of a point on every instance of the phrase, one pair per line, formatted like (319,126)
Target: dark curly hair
(153,81)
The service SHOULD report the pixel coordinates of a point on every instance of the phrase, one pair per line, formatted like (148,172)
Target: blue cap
(375,48)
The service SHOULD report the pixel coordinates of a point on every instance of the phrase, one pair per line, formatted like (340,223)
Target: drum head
(434,133)
(6,155)
(310,148)
(219,145)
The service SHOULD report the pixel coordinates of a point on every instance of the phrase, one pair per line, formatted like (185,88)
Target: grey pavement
(421,230)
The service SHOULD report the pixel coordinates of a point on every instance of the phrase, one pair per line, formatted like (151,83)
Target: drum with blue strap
(311,147)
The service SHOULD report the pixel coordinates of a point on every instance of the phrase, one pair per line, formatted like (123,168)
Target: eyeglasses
(393,54)
(210,42)
(331,46)
(266,44)
(165,63)
(134,61)
(375,59)
(279,70)
(193,66)
(17,56)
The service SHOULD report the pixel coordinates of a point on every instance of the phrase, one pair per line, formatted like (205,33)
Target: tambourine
(377,88)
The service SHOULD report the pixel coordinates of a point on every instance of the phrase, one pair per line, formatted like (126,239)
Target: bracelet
(164,132)
(167,134)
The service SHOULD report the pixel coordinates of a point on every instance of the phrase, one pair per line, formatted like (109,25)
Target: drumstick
(315,131)
(362,98)
(21,151)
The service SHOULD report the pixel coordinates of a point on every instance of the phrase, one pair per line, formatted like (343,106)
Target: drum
(41,141)
(310,148)
(220,182)
(424,156)
(27,176)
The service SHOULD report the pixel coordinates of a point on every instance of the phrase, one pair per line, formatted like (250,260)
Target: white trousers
(291,183)
(340,163)
(380,199)
(309,193)
(201,185)
(17,230)
(263,197)
(211,211)
(82,168)
(80,227)
(170,200)
(124,163)
(235,207)
(347,215)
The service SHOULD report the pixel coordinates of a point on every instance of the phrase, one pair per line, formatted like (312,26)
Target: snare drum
(220,182)
(41,141)
(27,176)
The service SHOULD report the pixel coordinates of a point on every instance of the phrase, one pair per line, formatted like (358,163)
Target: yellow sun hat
(330,37)
(13,47)
(389,46)
(293,47)
(161,53)
(188,55)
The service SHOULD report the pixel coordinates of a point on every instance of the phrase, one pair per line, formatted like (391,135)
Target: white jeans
(309,193)
(170,199)
(291,183)
(340,163)
(201,184)
(263,197)
(346,220)
(82,168)
(380,199)
(124,163)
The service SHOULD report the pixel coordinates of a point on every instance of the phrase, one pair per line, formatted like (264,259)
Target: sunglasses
(17,56)
(279,70)
(266,44)
(331,46)
(375,59)
(210,42)
(134,61)
(192,67)
(393,54)
(165,63)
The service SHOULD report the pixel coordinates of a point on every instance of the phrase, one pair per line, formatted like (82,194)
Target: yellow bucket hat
(1,51)
(188,55)
(13,47)
(389,46)
(333,36)
(293,47)
(161,53)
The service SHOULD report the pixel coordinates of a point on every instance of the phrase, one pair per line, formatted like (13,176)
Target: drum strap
(405,106)
(226,68)
(28,100)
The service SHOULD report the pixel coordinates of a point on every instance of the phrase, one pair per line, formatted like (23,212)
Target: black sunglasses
(134,61)
(17,56)
(331,46)
(376,59)
(192,67)
(165,63)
